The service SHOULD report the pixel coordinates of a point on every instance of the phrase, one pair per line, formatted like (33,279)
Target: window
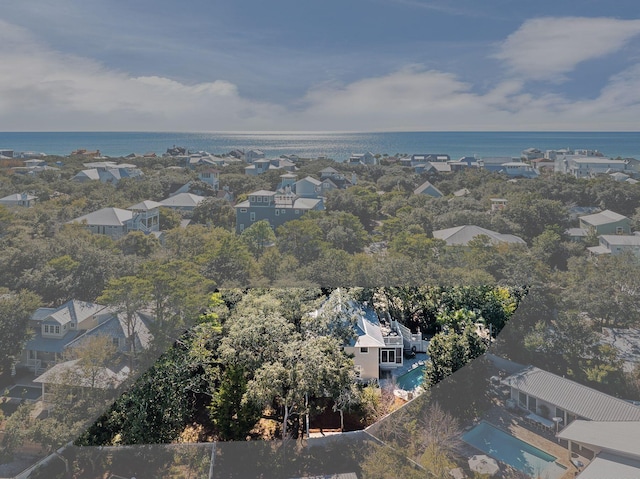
(259,199)
(46,329)
(243,210)
(358,370)
(532,404)
(283,211)
(619,230)
(252,216)
(57,329)
(277,212)
(241,227)
(364,350)
(522,399)
(252,198)
(388,356)
(297,212)
(266,199)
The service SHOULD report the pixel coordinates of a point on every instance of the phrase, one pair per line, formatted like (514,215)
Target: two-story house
(54,328)
(276,208)
(116,222)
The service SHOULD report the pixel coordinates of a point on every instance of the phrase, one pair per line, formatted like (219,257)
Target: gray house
(276,208)
(116,222)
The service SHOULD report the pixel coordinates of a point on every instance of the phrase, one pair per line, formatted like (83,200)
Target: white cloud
(548,48)
(43,89)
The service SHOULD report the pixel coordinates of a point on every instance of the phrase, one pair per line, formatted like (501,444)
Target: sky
(310,65)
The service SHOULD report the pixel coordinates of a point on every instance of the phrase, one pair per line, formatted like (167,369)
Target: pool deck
(512,423)
(405,368)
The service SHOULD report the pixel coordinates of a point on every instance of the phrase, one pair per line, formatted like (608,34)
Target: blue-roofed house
(54,328)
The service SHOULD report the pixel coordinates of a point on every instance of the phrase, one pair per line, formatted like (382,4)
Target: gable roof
(145,205)
(619,436)
(610,465)
(603,218)
(182,200)
(428,189)
(105,217)
(461,235)
(575,398)
(71,371)
(72,311)
(367,328)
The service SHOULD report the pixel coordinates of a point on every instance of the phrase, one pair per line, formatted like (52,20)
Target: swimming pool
(511,450)
(411,379)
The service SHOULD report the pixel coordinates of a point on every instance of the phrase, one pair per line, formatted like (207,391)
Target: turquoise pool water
(411,379)
(511,450)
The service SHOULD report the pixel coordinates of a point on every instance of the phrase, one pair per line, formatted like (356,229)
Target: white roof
(71,373)
(105,217)
(614,436)
(182,200)
(572,397)
(461,235)
(602,218)
(611,466)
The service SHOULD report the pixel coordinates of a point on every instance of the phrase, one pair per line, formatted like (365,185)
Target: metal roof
(616,436)
(611,466)
(50,345)
(572,397)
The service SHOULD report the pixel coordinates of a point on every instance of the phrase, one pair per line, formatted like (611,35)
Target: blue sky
(357,65)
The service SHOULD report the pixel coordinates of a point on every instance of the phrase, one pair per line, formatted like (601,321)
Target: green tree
(257,237)
(16,310)
(127,296)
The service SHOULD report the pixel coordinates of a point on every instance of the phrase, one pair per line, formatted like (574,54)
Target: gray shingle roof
(182,200)
(105,217)
(572,397)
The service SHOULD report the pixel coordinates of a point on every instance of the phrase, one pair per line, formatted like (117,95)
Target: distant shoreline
(336,145)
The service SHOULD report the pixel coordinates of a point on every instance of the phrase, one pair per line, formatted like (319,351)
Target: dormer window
(259,199)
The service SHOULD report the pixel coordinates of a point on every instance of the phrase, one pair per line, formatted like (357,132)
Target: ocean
(338,146)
